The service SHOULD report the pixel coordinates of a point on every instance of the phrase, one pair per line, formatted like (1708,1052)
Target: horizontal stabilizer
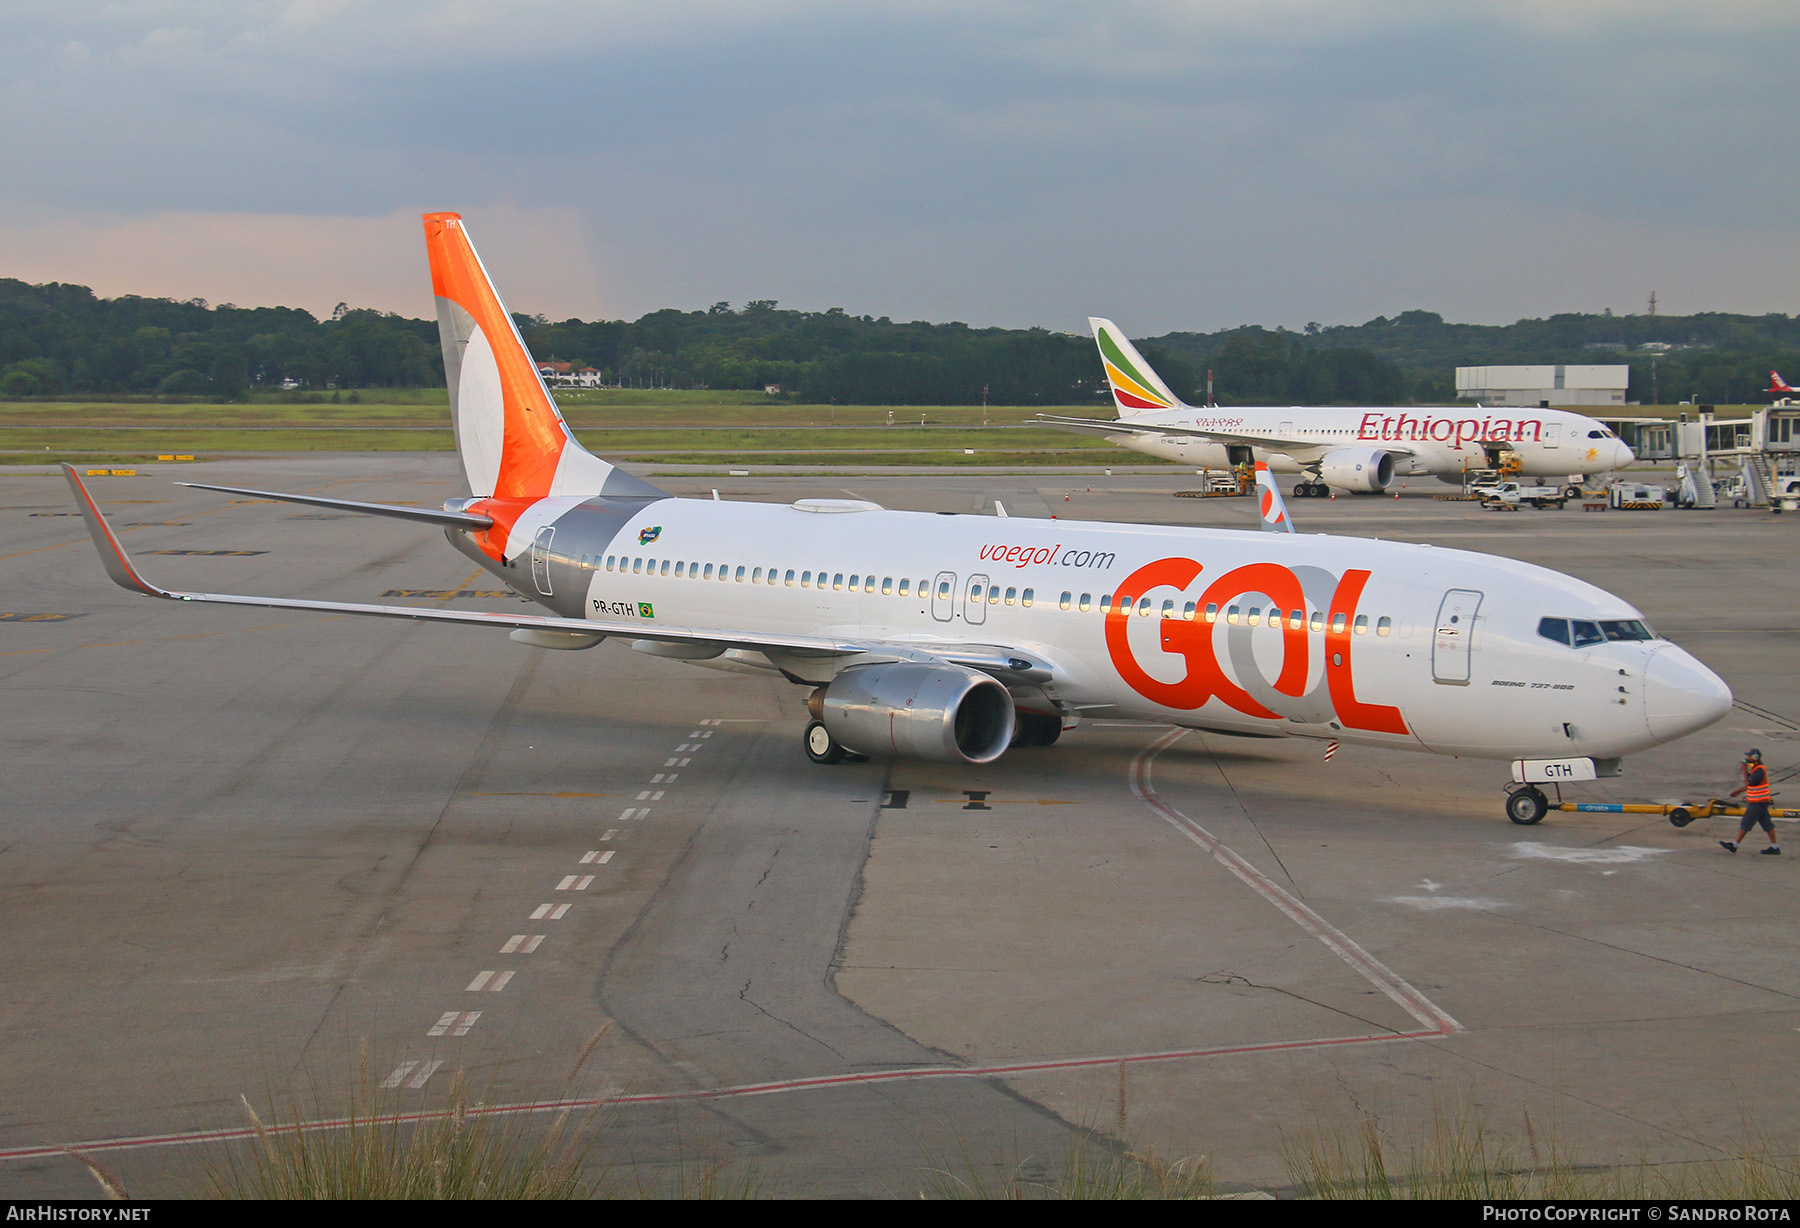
(428,515)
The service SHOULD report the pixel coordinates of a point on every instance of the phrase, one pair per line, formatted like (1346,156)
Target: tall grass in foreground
(455,1153)
(1093,1169)
(1459,1157)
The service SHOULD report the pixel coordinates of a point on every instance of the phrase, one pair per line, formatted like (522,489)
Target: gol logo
(1194,641)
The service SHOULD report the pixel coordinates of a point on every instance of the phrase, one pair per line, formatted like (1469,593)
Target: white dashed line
(610,833)
(455,1023)
(594,857)
(658,795)
(628,814)
(425,1071)
(671,778)
(643,797)
(604,857)
(669,763)
(550,912)
(521,944)
(492,982)
(572,883)
(480,981)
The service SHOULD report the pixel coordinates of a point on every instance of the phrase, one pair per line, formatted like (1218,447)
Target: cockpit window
(1579,633)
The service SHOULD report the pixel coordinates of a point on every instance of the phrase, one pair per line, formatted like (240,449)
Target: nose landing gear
(1527,805)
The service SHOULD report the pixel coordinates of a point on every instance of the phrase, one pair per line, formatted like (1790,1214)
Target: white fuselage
(1255,633)
(1445,441)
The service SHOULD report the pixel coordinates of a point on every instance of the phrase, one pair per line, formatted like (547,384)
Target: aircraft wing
(989,658)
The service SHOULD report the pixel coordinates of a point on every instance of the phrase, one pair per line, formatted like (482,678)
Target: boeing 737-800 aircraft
(951,638)
(1360,450)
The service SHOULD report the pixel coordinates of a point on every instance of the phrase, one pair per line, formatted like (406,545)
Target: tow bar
(1680,815)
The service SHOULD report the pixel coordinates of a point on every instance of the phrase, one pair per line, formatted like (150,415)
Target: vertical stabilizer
(512,441)
(1136,389)
(1269,502)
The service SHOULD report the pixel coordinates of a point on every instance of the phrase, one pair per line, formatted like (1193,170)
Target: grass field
(694,428)
(651,427)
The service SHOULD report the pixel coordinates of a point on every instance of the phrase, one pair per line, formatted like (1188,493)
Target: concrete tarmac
(276,855)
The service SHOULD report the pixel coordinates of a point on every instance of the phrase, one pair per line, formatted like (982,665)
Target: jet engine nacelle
(945,713)
(1364,469)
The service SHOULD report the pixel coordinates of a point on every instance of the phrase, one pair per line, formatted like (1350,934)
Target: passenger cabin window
(1068,599)
(1025,597)
(1087,603)
(1383,626)
(905,586)
(665,567)
(1362,624)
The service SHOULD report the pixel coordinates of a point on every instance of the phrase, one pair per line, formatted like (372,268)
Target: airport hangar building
(1544,386)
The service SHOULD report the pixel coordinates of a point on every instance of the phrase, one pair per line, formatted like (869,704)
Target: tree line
(60,339)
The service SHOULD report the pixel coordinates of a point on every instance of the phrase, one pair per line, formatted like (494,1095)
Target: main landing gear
(822,748)
(1527,805)
(1311,490)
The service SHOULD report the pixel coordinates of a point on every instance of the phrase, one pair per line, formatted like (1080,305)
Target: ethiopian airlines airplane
(1361,450)
(952,638)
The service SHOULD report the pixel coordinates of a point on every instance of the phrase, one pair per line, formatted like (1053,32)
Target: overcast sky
(1188,165)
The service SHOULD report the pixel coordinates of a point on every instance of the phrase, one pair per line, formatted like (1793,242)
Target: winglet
(118,563)
(1136,388)
(1268,499)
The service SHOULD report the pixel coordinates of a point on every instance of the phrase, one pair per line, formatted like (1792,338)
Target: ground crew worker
(1757,797)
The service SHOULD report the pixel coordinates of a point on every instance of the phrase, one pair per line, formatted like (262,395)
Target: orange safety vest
(1757,791)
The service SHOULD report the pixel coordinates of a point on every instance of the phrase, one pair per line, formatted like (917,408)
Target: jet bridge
(1761,452)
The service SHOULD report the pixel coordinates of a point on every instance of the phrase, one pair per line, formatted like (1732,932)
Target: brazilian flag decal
(646,610)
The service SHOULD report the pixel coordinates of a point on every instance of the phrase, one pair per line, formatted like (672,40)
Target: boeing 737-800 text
(1360,450)
(951,638)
